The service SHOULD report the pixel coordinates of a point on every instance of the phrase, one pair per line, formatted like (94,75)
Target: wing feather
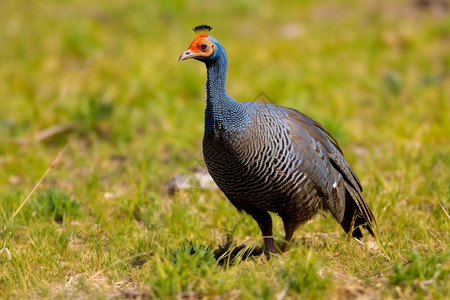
(328,169)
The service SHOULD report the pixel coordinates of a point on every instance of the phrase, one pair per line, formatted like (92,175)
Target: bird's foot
(285,247)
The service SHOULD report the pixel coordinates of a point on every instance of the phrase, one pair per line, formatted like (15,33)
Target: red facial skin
(201,47)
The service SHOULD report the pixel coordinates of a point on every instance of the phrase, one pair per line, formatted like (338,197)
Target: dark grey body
(284,162)
(261,167)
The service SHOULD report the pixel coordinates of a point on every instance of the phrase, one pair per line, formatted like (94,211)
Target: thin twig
(55,161)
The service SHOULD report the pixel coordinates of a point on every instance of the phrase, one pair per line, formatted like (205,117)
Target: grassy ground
(102,78)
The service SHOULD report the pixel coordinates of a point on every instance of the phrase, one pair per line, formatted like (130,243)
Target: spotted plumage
(267,157)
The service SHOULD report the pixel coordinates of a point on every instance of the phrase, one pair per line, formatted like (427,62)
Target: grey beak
(186,55)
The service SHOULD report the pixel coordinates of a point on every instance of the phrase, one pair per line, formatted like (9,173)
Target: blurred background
(103,77)
(107,72)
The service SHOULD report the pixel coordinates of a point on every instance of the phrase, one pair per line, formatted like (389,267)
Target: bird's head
(203,47)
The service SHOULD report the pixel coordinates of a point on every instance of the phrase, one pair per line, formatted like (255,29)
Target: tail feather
(357,214)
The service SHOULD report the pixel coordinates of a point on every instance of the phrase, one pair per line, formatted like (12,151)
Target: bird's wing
(322,160)
(319,131)
(329,142)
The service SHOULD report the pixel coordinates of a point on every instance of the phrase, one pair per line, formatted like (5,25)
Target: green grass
(104,77)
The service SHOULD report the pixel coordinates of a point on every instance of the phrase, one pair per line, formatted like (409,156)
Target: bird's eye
(204,46)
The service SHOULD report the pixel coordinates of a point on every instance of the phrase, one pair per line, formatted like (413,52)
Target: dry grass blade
(372,248)
(8,254)
(55,161)
(444,210)
(43,135)
(283,292)
(51,131)
(440,242)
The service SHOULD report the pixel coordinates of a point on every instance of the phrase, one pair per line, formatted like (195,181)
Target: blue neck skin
(222,113)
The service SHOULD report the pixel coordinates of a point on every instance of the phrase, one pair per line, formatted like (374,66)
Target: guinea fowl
(266,157)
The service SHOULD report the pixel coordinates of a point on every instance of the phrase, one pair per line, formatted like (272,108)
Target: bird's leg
(289,227)
(264,221)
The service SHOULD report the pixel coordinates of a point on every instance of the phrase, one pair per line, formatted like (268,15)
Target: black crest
(202,29)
